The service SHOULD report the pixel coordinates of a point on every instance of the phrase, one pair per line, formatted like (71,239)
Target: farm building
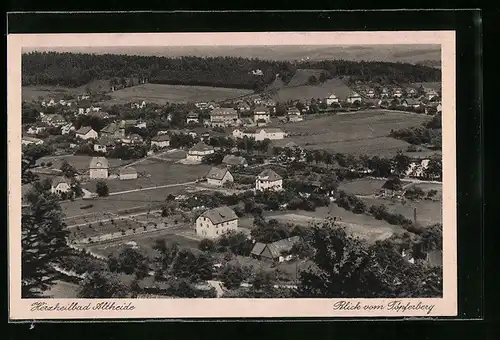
(223,116)
(60,185)
(161,141)
(261,112)
(86,132)
(231,160)
(128,173)
(31,140)
(192,118)
(197,152)
(331,99)
(98,167)
(353,98)
(216,222)
(219,176)
(268,180)
(278,251)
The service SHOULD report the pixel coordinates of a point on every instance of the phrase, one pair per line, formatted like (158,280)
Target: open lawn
(81,163)
(154,172)
(363,132)
(428,212)
(161,94)
(307,92)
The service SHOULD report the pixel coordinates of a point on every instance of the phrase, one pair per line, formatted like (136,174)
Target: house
(331,99)
(132,139)
(243,107)
(100,114)
(370,93)
(261,113)
(278,251)
(397,93)
(410,102)
(86,132)
(354,98)
(198,151)
(269,133)
(31,140)
(431,93)
(293,111)
(83,97)
(385,93)
(36,129)
(192,118)
(231,160)
(219,176)
(257,72)
(127,173)
(138,105)
(249,122)
(113,130)
(295,118)
(268,180)
(216,222)
(67,128)
(411,92)
(60,185)
(223,116)
(54,119)
(98,167)
(103,144)
(161,141)
(141,125)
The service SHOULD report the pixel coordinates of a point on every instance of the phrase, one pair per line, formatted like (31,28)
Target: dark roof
(83,130)
(269,175)
(220,215)
(59,180)
(192,115)
(221,111)
(102,160)
(110,128)
(261,108)
(234,160)
(161,138)
(281,246)
(200,146)
(216,173)
(258,248)
(105,141)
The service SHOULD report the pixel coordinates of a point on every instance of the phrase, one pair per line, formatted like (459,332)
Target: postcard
(232,175)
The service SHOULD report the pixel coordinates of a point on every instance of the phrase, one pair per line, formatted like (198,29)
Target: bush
(206,245)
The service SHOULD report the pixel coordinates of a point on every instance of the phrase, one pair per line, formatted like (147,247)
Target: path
(151,188)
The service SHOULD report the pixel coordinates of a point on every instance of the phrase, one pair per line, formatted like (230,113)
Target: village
(215,176)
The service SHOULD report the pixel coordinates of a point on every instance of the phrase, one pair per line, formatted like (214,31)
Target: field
(363,226)
(155,173)
(306,92)
(363,132)
(428,212)
(161,94)
(31,93)
(80,163)
(301,76)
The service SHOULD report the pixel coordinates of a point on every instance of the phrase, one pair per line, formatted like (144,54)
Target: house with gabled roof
(278,251)
(223,117)
(231,160)
(219,176)
(98,167)
(198,151)
(353,98)
(161,141)
(31,140)
(268,180)
(261,113)
(331,99)
(86,132)
(60,185)
(192,117)
(216,222)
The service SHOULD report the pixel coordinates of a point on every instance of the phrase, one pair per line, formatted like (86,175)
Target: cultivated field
(363,132)
(161,94)
(306,92)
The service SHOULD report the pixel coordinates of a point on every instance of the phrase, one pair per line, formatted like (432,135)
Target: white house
(83,97)
(103,144)
(269,133)
(86,132)
(31,140)
(268,180)
(36,129)
(54,119)
(257,72)
(161,141)
(223,116)
(197,152)
(60,185)
(353,98)
(370,93)
(67,128)
(397,93)
(261,113)
(138,105)
(331,99)
(192,117)
(132,139)
(98,167)
(216,222)
(219,176)
(128,173)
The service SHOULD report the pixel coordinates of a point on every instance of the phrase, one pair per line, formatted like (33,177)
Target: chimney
(415,215)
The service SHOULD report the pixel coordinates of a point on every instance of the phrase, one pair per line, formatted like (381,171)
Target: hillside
(305,92)
(301,76)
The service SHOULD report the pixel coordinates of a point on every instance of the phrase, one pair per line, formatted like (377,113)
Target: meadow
(306,92)
(363,132)
(79,162)
(161,94)
(32,93)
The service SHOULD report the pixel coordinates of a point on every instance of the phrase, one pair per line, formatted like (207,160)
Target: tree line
(78,69)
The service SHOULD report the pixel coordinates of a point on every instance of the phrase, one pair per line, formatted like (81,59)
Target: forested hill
(77,69)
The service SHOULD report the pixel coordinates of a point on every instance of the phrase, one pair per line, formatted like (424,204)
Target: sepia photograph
(221,172)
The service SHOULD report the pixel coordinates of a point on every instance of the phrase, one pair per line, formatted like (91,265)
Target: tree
(434,170)
(302,249)
(206,245)
(128,261)
(102,284)
(68,170)
(263,279)
(233,275)
(393,184)
(192,265)
(401,163)
(43,240)
(101,188)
